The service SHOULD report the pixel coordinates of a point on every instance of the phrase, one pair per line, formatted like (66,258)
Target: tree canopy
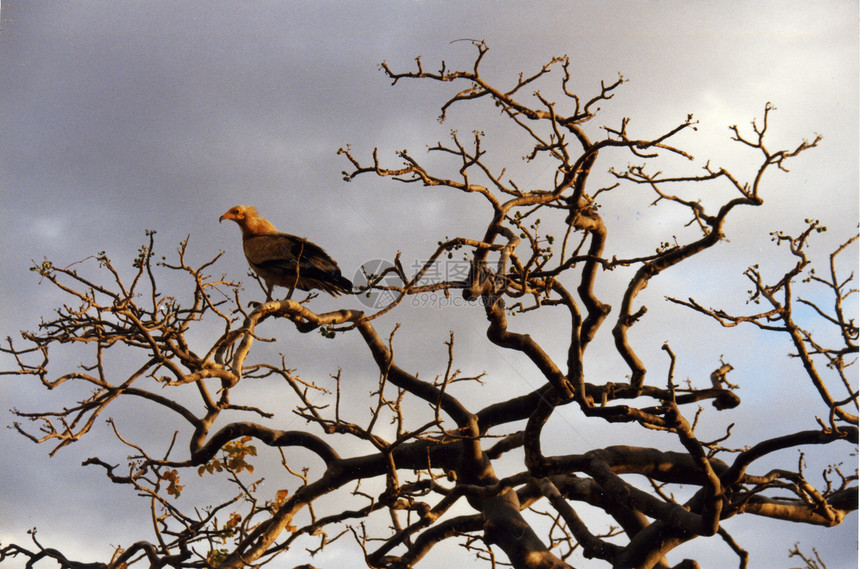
(400,462)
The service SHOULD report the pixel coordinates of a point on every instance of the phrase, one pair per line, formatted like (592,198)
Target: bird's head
(239,214)
(249,221)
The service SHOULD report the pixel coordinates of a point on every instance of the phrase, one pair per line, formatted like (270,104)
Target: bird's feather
(286,260)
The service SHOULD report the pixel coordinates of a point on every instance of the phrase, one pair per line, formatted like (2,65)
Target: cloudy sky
(122,116)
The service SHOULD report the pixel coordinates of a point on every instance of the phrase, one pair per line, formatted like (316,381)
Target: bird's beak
(222,218)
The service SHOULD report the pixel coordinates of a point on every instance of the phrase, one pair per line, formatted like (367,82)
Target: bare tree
(429,463)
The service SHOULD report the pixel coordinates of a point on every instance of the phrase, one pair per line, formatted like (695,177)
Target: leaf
(233,521)
(172,479)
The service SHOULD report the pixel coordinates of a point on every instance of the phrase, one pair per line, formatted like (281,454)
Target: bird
(285,260)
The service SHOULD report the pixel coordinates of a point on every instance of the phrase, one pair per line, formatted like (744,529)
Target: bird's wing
(280,254)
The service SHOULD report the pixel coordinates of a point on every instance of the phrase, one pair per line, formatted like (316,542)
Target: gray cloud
(117,117)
